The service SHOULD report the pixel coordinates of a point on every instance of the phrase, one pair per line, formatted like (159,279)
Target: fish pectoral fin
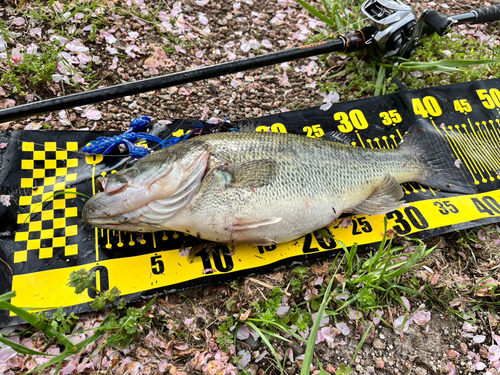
(250,174)
(384,198)
(252,225)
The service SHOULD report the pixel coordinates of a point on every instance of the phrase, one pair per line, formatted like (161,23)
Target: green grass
(120,326)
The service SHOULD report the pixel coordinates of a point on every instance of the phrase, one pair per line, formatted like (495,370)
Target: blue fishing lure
(105,145)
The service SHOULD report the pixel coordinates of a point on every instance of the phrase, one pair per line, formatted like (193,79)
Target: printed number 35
(391,117)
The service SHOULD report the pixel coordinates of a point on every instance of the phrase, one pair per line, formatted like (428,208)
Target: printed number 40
(427,106)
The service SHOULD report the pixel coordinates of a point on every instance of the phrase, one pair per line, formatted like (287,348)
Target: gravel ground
(127,48)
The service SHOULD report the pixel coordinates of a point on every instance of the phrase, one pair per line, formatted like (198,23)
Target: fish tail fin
(442,171)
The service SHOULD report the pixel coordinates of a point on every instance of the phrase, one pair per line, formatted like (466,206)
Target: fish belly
(312,183)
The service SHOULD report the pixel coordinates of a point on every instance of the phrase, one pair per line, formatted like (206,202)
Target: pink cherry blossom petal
(245,357)
(327,334)
(479,366)
(494,353)
(422,317)
(114,64)
(203,19)
(406,303)
(449,368)
(342,327)
(179,49)
(110,38)
(78,78)
(6,103)
(478,339)
(16,56)
(282,310)
(243,332)
(4,200)
(91,113)
(467,327)
(19,21)
(266,43)
(377,318)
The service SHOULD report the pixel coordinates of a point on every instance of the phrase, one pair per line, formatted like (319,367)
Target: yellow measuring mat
(43,239)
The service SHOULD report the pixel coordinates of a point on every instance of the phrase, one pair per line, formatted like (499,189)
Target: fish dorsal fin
(250,174)
(384,198)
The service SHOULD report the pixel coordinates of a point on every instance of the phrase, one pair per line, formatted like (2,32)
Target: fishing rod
(394,28)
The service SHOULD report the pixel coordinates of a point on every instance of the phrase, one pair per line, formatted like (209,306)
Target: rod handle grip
(487,14)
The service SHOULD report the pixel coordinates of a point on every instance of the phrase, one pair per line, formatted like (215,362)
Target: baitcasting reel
(398,29)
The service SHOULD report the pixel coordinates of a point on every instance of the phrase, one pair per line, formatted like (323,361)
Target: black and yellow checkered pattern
(47,222)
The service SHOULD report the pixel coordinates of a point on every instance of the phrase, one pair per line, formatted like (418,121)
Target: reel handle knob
(437,22)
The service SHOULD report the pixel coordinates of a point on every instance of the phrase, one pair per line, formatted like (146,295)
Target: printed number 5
(314,131)
(157,265)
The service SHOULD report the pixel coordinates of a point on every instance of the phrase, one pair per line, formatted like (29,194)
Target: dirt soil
(182,336)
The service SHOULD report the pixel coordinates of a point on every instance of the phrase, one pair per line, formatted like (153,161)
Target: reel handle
(436,21)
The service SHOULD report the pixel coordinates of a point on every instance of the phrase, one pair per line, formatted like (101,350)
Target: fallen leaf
(6,103)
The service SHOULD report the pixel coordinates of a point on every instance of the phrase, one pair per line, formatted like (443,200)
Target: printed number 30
(348,122)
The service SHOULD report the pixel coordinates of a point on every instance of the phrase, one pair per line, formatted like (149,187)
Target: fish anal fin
(385,197)
(242,225)
(251,174)
(253,240)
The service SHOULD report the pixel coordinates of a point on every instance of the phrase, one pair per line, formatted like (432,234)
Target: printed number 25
(360,224)
(314,131)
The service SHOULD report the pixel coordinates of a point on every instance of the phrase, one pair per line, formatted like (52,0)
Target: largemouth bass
(266,188)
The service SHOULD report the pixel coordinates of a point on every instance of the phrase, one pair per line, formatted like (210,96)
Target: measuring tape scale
(51,228)
(166,268)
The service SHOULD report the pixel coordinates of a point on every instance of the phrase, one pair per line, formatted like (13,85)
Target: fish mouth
(94,215)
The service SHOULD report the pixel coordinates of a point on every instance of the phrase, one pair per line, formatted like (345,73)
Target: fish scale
(266,188)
